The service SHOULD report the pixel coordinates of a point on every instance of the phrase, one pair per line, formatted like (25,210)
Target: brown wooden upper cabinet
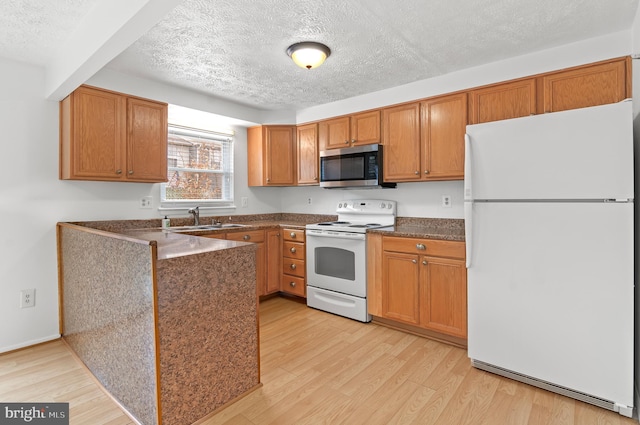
(271,155)
(425,140)
(111,136)
(591,85)
(503,101)
(308,154)
(578,87)
(353,130)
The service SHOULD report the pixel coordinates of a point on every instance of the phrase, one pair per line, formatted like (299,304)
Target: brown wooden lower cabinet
(293,262)
(268,258)
(420,283)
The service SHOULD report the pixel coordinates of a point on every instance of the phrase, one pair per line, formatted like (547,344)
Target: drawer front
(293,285)
(293,267)
(248,236)
(294,235)
(293,250)
(433,247)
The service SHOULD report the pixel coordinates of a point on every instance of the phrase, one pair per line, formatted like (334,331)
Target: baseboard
(27,344)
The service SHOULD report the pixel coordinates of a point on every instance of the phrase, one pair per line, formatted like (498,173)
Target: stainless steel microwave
(354,167)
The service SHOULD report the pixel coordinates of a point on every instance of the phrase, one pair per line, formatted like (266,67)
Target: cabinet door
(146,141)
(274,258)
(444,121)
(280,155)
(503,101)
(308,154)
(444,295)
(334,133)
(587,86)
(98,131)
(365,128)
(401,287)
(401,140)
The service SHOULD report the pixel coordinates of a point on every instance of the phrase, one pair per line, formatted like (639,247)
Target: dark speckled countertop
(428,228)
(173,243)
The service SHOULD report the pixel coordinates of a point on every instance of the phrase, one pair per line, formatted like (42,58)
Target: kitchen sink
(204,227)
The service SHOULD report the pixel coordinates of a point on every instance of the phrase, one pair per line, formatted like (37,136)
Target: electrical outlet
(245,201)
(309,201)
(27,298)
(145,202)
(446,201)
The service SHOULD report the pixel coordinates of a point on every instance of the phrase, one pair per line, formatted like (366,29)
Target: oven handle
(336,235)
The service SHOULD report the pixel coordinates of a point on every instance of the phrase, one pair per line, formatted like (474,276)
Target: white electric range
(337,257)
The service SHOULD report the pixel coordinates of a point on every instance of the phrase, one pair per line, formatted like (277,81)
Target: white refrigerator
(550,253)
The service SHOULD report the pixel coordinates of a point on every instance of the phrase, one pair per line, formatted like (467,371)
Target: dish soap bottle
(165,223)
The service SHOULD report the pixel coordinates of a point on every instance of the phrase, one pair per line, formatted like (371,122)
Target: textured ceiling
(235,49)
(33,30)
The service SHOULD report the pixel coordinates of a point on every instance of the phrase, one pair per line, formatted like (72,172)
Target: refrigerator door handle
(468,191)
(468,197)
(468,231)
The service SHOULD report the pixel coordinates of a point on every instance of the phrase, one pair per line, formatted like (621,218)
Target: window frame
(227,171)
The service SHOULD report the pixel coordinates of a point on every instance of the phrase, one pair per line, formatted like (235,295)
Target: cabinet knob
(246,237)
(424,262)
(315,178)
(293,250)
(417,173)
(426,171)
(268,179)
(346,142)
(353,140)
(118,171)
(421,246)
(130,172)
(292,284)
(414,261)
(293,266)
(292,234)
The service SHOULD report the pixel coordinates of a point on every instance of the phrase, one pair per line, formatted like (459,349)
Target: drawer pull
(293,266)
(292,234)
(118,171)
(414,261)
(293,250)
(292,284)
(421,246)
(246,237)
(424,262)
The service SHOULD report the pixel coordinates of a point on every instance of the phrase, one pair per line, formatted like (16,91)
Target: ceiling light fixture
(308,54)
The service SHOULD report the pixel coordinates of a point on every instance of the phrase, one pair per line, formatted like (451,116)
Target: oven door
(337,261)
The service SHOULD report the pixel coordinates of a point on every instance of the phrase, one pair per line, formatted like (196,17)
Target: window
(200,167)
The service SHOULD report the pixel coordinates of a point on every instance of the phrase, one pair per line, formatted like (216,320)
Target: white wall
(32,199)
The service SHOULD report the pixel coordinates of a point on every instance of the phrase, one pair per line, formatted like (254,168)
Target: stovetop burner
(359,215)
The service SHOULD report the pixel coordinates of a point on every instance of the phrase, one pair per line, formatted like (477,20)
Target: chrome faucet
(196,215)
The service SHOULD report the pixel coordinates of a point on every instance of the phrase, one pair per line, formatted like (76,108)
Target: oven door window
(335,262)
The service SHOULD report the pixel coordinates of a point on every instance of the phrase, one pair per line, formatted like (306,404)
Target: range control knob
(340,205)
(383,205)
(389,205)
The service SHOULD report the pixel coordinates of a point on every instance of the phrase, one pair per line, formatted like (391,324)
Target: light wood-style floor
(318,368)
